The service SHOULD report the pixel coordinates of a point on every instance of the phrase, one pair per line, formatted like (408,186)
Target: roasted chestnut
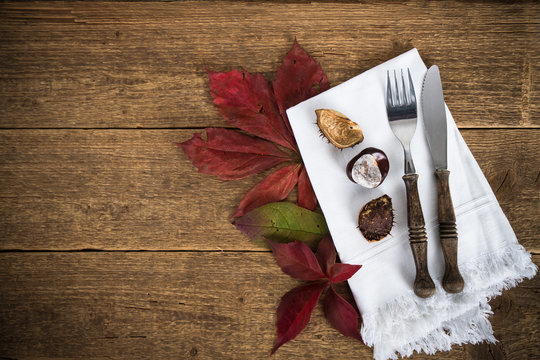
(376,218)
(369,168)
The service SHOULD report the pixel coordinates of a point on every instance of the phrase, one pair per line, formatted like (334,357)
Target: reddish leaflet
(306,196)
(251,103)
(231,155)
(295,308)
(274,187)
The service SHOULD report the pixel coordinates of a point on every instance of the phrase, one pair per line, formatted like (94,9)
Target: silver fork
(401,110)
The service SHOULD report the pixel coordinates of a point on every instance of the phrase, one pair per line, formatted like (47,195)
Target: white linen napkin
(490,258)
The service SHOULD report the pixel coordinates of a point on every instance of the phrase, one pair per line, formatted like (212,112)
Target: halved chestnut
(369,168)
(376,218)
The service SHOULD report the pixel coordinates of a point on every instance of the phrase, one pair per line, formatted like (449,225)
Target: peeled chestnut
(369,168)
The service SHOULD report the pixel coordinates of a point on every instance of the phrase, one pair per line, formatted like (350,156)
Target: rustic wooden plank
(184,305)
(67,189)
(133,189)
(509,160)
(103,65)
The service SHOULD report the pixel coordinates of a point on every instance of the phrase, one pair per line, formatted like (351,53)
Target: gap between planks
(130,251)
(498,127)
(532,252)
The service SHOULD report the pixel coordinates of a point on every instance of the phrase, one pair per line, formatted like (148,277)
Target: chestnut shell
(376,218)
(338,128)
(380,157)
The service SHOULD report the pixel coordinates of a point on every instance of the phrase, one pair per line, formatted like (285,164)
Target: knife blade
(434,115)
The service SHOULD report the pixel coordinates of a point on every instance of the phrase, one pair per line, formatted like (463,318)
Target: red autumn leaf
(251,103)
(326,254)
(306,196)
(294,311)
(274,187)
(340,272)
(298,78)
(229,154)
(340,314)
(247,102)
(297,260)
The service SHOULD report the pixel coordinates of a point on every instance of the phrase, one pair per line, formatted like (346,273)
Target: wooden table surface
(112,245)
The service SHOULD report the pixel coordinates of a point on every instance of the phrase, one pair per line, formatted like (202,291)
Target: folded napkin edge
(512,263)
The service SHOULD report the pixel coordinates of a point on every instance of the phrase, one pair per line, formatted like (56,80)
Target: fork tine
(389,100)
(400,98)
(411,88)
(397,92)
(406,99)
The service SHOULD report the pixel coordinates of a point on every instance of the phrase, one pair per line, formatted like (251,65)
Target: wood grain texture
(134,189)
(73,75)
(190,305)
(512,169)
(103,65)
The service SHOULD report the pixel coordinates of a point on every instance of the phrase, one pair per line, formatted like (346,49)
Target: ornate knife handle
(452,280)
(423,284)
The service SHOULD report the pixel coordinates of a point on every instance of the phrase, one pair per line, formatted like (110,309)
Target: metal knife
(434,114)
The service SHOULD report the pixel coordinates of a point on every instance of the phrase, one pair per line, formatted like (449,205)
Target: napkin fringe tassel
(394,327)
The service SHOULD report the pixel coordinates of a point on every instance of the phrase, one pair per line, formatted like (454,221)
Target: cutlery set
(401,106)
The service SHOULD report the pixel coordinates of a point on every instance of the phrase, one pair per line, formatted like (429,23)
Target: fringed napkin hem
(402,326)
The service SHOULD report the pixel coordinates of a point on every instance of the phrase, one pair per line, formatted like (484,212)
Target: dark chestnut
(369,168)
(376,218)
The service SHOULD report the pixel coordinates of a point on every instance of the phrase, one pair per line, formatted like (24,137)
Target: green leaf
(282,222)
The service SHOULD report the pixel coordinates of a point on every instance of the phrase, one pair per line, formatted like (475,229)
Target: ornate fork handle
(423,284)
